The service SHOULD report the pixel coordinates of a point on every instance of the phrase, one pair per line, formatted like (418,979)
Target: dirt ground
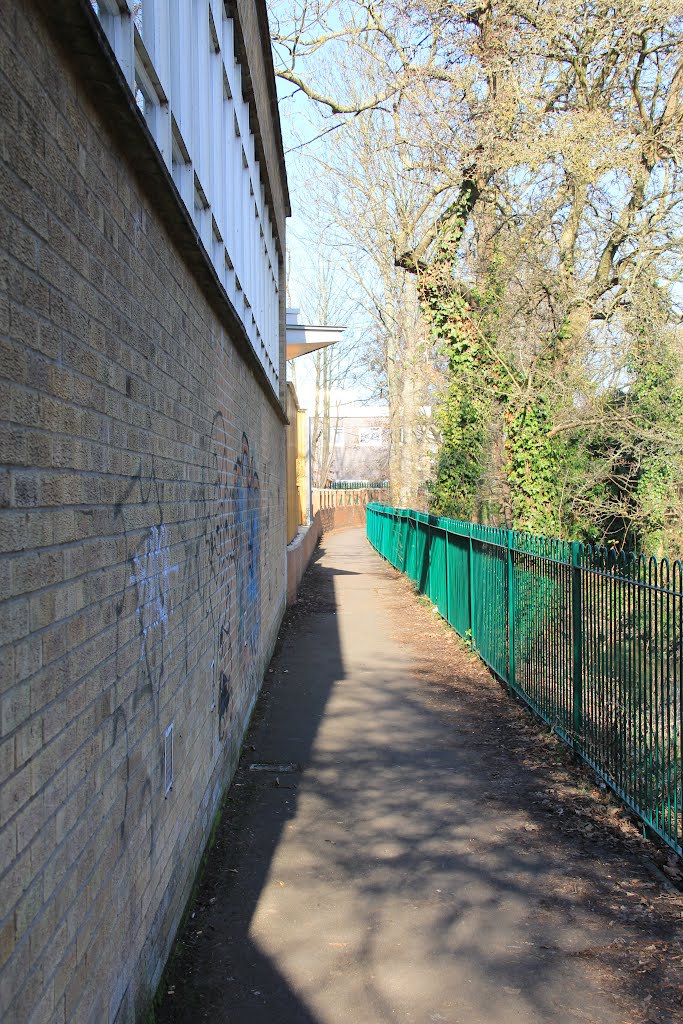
(641,879)
(628,880)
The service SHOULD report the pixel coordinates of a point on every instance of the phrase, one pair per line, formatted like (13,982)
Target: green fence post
(511,614)
(470,567)
(577,649)
(445,565)
(415,576)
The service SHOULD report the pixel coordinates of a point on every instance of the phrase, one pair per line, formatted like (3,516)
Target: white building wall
(178,57)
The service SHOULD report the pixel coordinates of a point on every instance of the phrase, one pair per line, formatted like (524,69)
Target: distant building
(359,445)
(302,339)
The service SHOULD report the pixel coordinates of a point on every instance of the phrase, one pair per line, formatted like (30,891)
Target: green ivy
(533,469)
(462,456)
(635,458)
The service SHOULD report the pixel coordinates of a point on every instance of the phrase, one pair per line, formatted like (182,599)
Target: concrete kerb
(299,555)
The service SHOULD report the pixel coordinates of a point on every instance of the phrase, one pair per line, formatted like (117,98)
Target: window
(371,436)
(336,437)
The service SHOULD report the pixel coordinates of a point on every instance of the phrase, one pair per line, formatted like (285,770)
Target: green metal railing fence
(590,639)
(345,485)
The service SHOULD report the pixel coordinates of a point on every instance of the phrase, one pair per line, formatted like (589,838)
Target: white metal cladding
(178,57)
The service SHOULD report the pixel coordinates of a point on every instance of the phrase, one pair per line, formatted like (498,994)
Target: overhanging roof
(304,338)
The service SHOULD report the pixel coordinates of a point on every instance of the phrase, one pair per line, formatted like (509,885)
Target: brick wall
(142,551)
(341,517)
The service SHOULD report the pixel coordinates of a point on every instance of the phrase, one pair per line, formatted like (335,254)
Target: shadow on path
(217,971)
(394,857)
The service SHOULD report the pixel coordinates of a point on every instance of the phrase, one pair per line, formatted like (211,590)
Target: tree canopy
(541,148)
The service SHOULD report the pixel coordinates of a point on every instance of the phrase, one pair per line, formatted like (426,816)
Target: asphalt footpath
(360,874)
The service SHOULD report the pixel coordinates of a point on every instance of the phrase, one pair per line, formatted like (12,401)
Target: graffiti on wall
(233,569)
(152,580)
(247,542)
(216,567)
(209,564)
(246,494)
(147,594)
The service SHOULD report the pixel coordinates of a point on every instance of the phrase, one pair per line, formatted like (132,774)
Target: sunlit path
(367,874)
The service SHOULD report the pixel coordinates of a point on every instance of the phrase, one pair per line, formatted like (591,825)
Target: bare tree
(377,207)
(541,146)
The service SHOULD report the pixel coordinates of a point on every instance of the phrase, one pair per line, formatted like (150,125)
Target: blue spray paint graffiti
(152,580)
(215,568)
(246,495)
(231,571)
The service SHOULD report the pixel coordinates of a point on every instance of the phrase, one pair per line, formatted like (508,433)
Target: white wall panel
(180,62)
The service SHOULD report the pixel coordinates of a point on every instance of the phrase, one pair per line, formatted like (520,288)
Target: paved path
(375,882)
